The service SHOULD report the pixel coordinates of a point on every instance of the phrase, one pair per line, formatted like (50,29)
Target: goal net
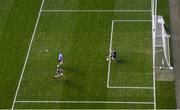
(162,46)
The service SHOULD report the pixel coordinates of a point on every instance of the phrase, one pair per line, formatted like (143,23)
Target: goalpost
(154,10)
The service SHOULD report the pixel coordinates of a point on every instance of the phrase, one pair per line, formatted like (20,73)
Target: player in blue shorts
(60,58)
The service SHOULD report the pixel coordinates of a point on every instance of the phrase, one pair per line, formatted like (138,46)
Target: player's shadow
(72,70)
(119,60)
(73,85)
(70,74)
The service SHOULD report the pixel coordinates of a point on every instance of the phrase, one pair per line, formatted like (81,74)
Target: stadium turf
(85,49)
(84,38)
(17,19)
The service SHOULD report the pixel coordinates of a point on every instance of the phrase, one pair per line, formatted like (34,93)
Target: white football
(46,50)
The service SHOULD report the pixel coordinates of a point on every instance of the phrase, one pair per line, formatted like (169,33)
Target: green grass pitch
(85,39)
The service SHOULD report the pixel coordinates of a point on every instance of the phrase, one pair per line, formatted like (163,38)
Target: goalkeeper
(113,55)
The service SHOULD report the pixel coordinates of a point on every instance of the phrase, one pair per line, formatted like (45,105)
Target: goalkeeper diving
(112,55)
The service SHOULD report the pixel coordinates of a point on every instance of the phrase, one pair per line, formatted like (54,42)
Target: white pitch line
(96,10)
(88,102)
(129,20)
(27,56)
(153,43)
(118,87)
(110,47)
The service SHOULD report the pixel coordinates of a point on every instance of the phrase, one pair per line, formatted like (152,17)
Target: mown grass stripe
(27,56)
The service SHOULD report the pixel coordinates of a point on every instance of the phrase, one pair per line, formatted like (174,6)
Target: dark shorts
(114,56)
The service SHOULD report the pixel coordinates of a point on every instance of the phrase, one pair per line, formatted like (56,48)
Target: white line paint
(119,87)
(110,47)
(27,56)
(128,20)
(49,10)
(153,43)
(88,102)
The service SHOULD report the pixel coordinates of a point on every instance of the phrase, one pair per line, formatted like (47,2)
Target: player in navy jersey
(59,72)
(112,55)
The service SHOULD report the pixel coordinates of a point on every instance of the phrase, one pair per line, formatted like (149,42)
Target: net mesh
(165,41)
(162,49)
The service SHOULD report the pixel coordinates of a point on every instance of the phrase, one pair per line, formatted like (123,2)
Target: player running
(60,58)
(59,72)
